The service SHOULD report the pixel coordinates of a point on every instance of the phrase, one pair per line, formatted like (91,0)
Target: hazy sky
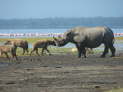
(60,8)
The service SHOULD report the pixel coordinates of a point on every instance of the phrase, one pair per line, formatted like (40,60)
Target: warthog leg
(37,52)
(14,55)
(27,51)
(35,49)
(42,53)
(23,51)
(46,50)
(7,55)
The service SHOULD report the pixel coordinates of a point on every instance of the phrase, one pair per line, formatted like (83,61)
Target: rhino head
(60,42)
(67,37)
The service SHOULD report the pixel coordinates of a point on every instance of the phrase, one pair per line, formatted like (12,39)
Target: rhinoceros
(88,37)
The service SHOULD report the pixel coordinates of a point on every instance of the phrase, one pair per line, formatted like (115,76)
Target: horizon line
(60,17)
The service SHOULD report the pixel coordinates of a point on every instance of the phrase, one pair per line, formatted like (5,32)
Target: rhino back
(79,34)
(90,36)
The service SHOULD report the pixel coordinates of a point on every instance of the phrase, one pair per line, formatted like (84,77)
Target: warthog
(42,44)
(19,43)
(5,49)
(89,37)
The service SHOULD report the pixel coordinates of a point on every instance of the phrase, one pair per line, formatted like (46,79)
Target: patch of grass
(60,50)
(51,49)
(116,90)
(119,38)
(30,40)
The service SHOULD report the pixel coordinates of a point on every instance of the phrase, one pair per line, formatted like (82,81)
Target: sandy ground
(61,73)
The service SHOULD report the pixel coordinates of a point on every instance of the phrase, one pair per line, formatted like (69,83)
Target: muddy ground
(61,73)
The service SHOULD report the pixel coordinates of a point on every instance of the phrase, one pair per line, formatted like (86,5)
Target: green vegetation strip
(52,49)
(116,90)
(119,38)
(30,40)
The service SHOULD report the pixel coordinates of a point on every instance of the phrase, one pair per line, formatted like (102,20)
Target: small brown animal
(19,43)
(5,49)
(42,44)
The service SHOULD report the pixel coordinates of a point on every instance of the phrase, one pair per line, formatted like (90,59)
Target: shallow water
(44,30)
(38,31)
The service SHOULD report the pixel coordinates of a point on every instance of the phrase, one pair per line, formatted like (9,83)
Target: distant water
(32,30)
(44,30)
(117,30)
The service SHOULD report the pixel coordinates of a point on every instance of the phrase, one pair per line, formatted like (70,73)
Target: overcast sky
(60,8)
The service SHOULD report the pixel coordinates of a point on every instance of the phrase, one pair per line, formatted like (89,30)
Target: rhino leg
(79,50)
(105,50)
(113,50)
(84,52)
(7,56)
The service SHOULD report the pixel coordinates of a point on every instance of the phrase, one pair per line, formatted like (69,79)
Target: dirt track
(61,73)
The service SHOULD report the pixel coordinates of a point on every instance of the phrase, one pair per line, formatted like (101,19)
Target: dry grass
(116,90)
